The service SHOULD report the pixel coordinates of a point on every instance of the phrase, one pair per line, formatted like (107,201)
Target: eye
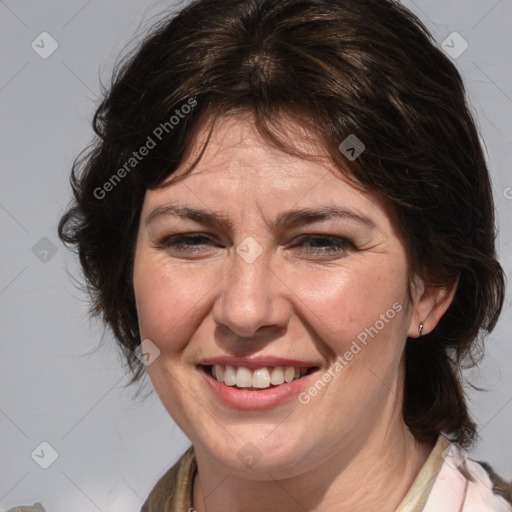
(197,242)
(325,244)
(184,242)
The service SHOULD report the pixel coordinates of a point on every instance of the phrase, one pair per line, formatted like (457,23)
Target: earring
(420,329)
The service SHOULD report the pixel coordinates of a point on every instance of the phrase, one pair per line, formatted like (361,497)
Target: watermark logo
(249,455)
(44,250)
(352,147)
(249,249)
(147,352)
(454,45)
(44,455)
(454,455)
(44,45)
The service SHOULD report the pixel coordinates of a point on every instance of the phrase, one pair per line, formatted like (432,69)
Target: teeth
(277,376)
(259,378)
(219,372)
(229,376)
(289,373)
(243,378)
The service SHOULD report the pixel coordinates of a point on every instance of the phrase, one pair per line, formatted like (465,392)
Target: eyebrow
(290,218)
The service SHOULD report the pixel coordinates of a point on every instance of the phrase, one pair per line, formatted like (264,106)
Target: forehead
(237,156)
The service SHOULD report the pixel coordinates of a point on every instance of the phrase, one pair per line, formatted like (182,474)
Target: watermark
(355,348)
(507,192)
(454,45)
(249,249)
(44,45)
(454,455)
(352,147)
(249,455)
(44,250)
(147,352)
(44,455)
(137,156)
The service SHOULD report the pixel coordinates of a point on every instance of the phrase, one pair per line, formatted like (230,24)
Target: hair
(363,68)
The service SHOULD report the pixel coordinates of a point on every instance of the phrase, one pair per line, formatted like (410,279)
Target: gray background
(54,388)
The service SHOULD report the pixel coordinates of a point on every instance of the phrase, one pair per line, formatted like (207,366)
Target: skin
(348,448)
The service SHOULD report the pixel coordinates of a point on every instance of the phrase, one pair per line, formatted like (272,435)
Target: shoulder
(172,487)
(465,485)
(36,507)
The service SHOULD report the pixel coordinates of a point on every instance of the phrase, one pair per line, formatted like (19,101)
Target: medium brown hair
(367,68)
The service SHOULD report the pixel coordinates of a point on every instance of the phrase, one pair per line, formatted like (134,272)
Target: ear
(430,302)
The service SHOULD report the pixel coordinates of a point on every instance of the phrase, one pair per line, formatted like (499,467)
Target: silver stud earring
(420,329)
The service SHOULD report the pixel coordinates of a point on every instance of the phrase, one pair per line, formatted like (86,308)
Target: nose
(252,301)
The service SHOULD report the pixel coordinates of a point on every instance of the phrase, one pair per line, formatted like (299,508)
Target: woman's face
(254,286)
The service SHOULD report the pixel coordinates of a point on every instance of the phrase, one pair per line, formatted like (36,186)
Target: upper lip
(257,362)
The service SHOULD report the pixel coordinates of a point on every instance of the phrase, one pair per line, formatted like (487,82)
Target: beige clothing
(417,495)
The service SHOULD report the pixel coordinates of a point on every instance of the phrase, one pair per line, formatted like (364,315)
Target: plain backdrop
(111,447)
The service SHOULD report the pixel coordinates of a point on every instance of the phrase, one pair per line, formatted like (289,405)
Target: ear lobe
(429,305)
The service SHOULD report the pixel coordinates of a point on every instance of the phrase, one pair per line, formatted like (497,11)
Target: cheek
(168,302)
(357,303)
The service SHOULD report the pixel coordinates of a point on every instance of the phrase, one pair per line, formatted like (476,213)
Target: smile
(248,395)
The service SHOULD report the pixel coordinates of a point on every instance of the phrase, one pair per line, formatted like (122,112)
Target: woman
(289,206)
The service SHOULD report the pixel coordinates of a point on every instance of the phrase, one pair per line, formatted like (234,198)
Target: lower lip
(250,399)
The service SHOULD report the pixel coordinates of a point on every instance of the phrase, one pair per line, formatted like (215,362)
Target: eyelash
(176,243)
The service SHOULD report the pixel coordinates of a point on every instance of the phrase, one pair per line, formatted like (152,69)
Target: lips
(253,398)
